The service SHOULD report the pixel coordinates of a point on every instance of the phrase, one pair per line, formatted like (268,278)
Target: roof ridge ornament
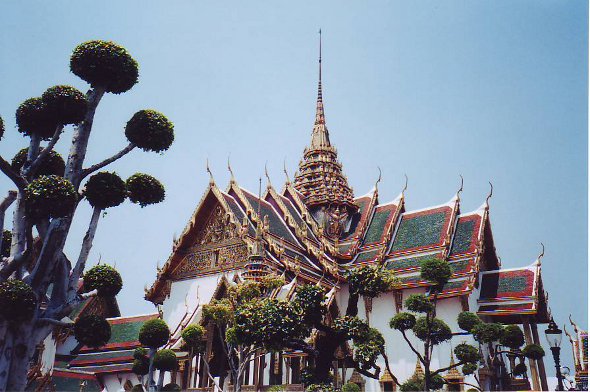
(232,177)
(268,182)
(285,171)
(538,261)
(211,180)
(378,179)
(461,187)
(490,194)
(405,184)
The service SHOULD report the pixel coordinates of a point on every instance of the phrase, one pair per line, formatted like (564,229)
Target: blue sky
(492,90)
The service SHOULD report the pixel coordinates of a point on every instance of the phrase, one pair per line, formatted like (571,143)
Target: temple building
(579,342)
(312,230)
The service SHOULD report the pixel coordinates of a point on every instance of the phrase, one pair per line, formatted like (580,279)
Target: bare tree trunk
(151,382)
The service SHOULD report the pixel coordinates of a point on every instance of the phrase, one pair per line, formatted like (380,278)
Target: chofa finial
(542,253)
(286,172)
(490,194)
(211,180)
(232,178)
(378,179)
(405,184)
(266,174)
(461,187)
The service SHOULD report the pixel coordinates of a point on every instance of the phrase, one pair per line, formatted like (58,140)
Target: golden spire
(320,136)
(320,179)
(453,373)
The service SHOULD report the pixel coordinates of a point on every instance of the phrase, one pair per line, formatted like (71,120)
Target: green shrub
(165,360)
(154,333)
(533,351)
(50,197)
(468,320)
(105,279)
(65,104)
(150,131)
(144,189)
(105,65)
(104,190)
(52,164)
(419,303)
(512,337)
(92,330)
(17,301)
(402,321)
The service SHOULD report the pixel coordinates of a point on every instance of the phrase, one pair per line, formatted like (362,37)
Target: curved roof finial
(266,174)
(542,253)
(461,187)
(490,194)
(211,180)
(573,324)
(285,171)
(378,179)
(232,178)
(405,185)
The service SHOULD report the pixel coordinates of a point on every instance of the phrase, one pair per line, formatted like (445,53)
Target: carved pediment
(216,246)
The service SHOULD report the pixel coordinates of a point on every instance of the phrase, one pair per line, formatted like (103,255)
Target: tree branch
(8,200)
(43,154)
(420,357)
(7,169)
(107,161)
(84,252)
(384,355)
(55,322)
(449,367)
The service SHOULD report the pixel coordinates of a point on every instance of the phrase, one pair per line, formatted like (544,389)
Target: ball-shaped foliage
(533,351)
(435,270)
(141,366)
(171,387)
(104,190)
(468,320)
(519,369)
(50,197)
(466,353)
(193,337)
(439,330)
(218,311)
(369,280)
(322,387)
(17,301)
(247,291)
(144,189)
(92,330)
(154,333)
(140,353)
(469,368)
(1,128)
(350,387)
(419,303)
(34,118)
(512,337)
(310,298)
(150,131)
(6,243)
(351,327)
(105,65)
(66,104)
(487,332)
(165,360)
(402,321)
(103,278)
(52,164)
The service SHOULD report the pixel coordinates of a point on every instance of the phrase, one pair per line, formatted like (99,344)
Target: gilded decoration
(216,247)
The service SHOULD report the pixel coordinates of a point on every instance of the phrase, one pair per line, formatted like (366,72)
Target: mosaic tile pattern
(419,231)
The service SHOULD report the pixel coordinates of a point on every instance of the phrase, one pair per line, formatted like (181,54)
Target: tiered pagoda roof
(320,179)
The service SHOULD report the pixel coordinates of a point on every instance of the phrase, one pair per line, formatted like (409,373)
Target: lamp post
(553,334)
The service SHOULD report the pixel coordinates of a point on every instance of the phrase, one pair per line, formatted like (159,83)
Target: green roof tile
(464,235)
(419,231)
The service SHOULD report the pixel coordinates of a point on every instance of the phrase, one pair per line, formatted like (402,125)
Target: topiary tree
(47,191)
(247,320)
(431,330)
(153,334)
(165,361)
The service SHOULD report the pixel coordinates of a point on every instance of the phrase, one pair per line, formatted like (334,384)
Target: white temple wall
(112,383)
(186,295)
(401,358)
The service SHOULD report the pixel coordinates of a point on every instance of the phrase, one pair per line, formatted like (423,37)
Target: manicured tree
(165,361)
(153,334)
(431,330)
(251,322)
(47,192)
